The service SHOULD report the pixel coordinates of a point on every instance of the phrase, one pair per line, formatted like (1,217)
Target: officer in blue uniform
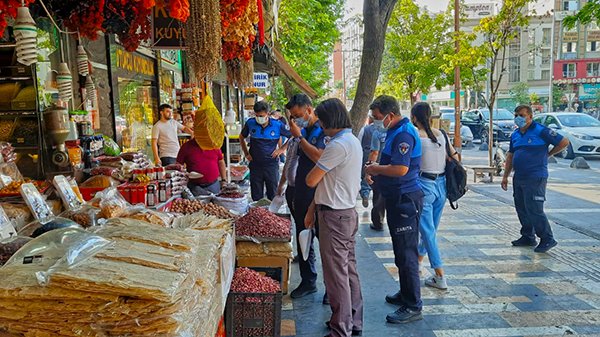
(528,156)
(265,134)
(398,174)
(312,143)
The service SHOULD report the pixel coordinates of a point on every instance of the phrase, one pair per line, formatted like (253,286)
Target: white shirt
(342,160)
(166,133)
(433,157)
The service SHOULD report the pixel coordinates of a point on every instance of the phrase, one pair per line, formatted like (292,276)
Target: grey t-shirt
(166,133)
(342,160)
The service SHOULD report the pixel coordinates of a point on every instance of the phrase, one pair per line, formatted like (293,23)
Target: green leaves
(588,13)
(520,93)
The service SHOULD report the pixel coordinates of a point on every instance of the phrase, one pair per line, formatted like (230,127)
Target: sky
(355,6)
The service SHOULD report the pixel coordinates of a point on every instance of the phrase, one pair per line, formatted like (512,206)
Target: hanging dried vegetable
(9,7)
(203,37)
(240,73)
(238,20)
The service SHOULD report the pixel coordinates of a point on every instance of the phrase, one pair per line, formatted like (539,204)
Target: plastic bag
(209,131)
(66,192)
(11,170)
(132,156)
(112,162)
(38,206)
(39,227)
(150,216)
(305,238)
(276,204)
(111,203)
(20,214)
(7,153)
(85,215)
(6,226)
(9,246)
(111,148)
(100,181)
(238,205)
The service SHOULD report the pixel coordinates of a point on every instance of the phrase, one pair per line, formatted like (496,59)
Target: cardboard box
(269,261)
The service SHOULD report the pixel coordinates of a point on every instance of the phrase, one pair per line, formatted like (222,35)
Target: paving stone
(467,321)
(507,290)
(552,318)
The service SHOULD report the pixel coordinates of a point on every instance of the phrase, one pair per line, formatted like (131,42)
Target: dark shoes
(543,247)
(524,242)
(354,332)
(376,228)
(296,259)
(395,299)
(365,201)
(303,290)
(325,299)
(404,315)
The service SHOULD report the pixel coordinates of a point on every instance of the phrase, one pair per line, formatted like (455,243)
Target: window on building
(593,69)
(514,69)
(531,37)
(545,74)
(569,70)
(515,44)
(593,26)
(593,46)
(570,47)
(570,5)
(546,58)
(530,75)
(547,36)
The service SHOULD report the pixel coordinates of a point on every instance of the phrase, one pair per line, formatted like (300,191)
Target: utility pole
(457,140)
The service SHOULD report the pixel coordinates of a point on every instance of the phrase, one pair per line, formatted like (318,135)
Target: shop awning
(292,75)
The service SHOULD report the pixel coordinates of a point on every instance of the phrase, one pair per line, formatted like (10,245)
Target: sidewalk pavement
(494,289)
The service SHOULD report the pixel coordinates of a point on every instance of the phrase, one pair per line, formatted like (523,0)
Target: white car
(583,132)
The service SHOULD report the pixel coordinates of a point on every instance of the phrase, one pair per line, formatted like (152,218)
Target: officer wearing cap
(311,145)
(265,134)
(528,156)
(398,173)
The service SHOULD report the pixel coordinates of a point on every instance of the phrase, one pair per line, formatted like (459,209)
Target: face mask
(261,120)
(521,121)
(378,124)
(301,122)
(381,127)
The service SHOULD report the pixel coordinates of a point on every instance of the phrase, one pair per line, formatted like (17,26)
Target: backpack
(456,177)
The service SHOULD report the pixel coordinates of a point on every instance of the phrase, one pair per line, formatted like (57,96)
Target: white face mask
(262,120)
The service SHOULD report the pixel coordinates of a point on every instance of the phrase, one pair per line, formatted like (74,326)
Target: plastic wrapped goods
(39,227)
(85,215)
(9,246)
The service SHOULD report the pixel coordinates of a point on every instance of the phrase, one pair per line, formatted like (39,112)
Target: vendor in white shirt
(165,143)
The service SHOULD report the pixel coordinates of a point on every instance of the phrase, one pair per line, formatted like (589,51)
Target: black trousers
(303,197)
(378,210)
(165,161)
(404,215)
(530,194)
(263,175)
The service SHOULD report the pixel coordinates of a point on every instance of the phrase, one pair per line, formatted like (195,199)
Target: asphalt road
(573,196)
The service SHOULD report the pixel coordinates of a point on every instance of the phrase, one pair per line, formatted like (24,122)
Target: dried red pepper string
(261,24)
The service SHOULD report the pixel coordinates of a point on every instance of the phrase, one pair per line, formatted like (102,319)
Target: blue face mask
(521,121)
(301,122)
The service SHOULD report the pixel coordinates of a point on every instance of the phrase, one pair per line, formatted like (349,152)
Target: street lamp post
(457,138)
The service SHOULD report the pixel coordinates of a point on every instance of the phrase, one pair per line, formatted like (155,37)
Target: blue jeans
(530,194)
(433,205)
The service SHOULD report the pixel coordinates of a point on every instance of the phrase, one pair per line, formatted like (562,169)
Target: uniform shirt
(205,162)
(340,159)
(264,140)
(166,133)
(402,147)
(531,150)
(316,137)
(378,142)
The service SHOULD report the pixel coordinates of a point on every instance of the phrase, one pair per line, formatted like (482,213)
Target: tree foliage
(308,31)
(588,13)
(557,96)
(520,93)
(416,43)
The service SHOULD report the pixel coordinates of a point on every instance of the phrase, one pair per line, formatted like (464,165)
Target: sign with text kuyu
(261,80)
(167,33)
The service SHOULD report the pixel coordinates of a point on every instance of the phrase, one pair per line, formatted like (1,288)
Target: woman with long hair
(433,180)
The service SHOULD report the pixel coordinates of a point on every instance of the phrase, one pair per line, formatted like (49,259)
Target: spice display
(100,181)
(26,131)
(235,195)
(27,94)
(185,206)
(246,280)
(260,223)
(6,126)
(262,202)
(203,37)
(8,247)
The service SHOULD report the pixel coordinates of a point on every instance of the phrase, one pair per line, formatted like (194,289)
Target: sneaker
(437,282)
(354,332)
(303,290)
(395,299)
(376,228)
(404,315)
(524,242)
(325,299)
(365,202)
(545,246)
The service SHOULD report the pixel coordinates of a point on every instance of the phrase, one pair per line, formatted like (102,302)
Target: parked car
(478,120)
(465,132)
(582,130)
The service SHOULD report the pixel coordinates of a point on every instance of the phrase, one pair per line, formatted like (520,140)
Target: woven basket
(209,130)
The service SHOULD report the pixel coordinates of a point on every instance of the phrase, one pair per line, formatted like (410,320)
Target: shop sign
(592,80)
(479,10)
(570,37)
(167,33)
(261,80)
(593,35)
(133,63)
(171,57)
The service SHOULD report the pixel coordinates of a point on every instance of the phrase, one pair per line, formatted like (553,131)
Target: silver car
(583,132)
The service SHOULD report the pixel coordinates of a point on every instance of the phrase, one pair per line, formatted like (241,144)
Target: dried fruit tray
(18,194)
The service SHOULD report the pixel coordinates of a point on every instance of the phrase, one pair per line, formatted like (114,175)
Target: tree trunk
(376,18)
(287,88)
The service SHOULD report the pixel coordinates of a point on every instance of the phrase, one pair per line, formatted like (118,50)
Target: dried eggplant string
(203,37)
